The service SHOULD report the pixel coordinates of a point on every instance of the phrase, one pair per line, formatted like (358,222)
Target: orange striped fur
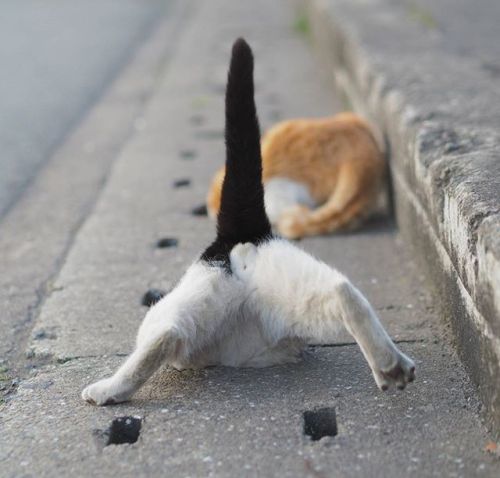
(337,160)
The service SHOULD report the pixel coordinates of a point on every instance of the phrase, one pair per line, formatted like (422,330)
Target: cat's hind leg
(149,354)
(160,339)
(388,364)
(297,296)
(354,198)
(282,194)
(174,329)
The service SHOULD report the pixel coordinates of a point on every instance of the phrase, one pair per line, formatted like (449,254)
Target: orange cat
(319,175)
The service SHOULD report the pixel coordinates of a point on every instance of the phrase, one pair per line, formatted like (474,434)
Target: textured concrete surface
(230,422)
(37,233)
(222,421)
(431,84)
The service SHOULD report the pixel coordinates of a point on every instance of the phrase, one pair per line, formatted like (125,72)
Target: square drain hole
(152,296)
(200,210)
(320,423)
(121,430)
(182,183)
(167,242)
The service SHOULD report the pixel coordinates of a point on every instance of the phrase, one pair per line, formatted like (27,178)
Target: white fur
(300,296)
(277,299)
(281,194)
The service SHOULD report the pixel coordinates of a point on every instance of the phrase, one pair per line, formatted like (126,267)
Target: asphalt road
(56,58)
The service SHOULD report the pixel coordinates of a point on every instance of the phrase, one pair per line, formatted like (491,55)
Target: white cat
(251,300)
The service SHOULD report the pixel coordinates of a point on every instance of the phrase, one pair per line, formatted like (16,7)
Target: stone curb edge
(454,234)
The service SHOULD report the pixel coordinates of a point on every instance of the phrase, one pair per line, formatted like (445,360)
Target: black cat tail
(242,216)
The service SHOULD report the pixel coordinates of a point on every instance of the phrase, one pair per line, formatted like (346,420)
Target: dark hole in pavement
(182,183)
(152,296)
(320,423)
(167,242)
(199,210)
(43,334)
(122,430)
(187,154)
(492,68)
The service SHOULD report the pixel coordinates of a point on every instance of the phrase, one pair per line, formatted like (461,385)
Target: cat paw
(104,392)
(243,257)
(292,223)
(400,372)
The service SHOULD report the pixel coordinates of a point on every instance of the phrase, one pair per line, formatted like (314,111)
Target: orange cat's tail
(242,216)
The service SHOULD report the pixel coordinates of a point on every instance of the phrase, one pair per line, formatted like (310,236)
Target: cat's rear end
(203,321)
(230,307)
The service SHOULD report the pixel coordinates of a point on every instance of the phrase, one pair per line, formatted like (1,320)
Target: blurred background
(57,57)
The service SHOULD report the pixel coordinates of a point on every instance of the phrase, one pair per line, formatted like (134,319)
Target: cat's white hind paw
(105,392)
(400,372)
(243,257)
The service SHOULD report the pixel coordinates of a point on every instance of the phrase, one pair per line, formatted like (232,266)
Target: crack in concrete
(349,344)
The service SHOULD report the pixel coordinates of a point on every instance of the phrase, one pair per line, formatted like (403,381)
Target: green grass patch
(4,375)
(422,16)
(301,25)
(346,102)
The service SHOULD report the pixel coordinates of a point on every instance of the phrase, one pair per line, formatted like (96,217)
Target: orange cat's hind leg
(353,199)
(282,194)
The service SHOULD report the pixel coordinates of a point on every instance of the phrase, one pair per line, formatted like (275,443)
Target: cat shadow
(321,372)
(375,225)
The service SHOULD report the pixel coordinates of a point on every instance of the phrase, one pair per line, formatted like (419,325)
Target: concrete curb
(443,141)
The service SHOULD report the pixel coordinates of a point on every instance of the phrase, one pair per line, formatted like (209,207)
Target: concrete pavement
(37,232)
(221,421)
